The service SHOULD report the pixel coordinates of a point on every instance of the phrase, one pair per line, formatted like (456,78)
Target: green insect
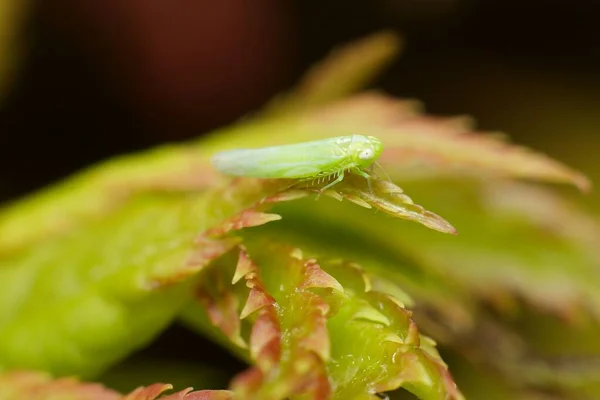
(320,159)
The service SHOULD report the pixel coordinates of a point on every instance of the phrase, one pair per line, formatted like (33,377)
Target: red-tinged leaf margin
(264,340)
(452,144)
(220,303)
(222,306)
(384,196)
(33,385)
(148,392)
(93,193)
(381,194)
(302,369)
(265,314)
(418,357)
(391,199)
(421,364)
(248,198)
(153,391)
(415,142)
(299,366)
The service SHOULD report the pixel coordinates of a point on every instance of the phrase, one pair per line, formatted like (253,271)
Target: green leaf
(311,334)
(454,280)
(553,264)
(389,198)
(114,285)
(90,195)
(78,303)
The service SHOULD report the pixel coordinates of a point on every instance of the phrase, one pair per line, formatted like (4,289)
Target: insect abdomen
(301,160)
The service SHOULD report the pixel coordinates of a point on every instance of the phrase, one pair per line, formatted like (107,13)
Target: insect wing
(300,160)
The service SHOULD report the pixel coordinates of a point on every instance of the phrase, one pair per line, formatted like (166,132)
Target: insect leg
(362,173)
(334,182)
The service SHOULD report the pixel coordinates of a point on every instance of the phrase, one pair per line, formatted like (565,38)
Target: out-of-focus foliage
(39,386)
(347,70)
(316,296)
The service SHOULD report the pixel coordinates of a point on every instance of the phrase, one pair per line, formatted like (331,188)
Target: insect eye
(366,154)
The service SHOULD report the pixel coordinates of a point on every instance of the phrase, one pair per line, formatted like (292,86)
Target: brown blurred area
(187,65)
(104,77)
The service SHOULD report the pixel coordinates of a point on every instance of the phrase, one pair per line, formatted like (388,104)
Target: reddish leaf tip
(257,299)
(315,277)
(243,267)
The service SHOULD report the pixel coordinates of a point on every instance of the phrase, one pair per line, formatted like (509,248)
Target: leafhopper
(319,159)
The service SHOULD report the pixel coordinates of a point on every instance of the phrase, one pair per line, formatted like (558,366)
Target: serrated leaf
(153,392)
(395,339)
(559,276)
(38,386)
(222,307)
(389,198)
(414,144)
(328,227)
(442,145)
(553,264)
(90,195)
(141,369)
(24,385)
(516,242)
(304,328)
(97,287)
(130,270)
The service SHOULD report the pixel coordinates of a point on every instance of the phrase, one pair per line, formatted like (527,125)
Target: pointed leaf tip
(188,394)
(287,195)
(153,392)
(315,277)
(148,393)
(244,266)
(389,198)
(246,219)
(257,299)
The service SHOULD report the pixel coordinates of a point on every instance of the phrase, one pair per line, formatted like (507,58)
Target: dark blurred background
(105,77)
